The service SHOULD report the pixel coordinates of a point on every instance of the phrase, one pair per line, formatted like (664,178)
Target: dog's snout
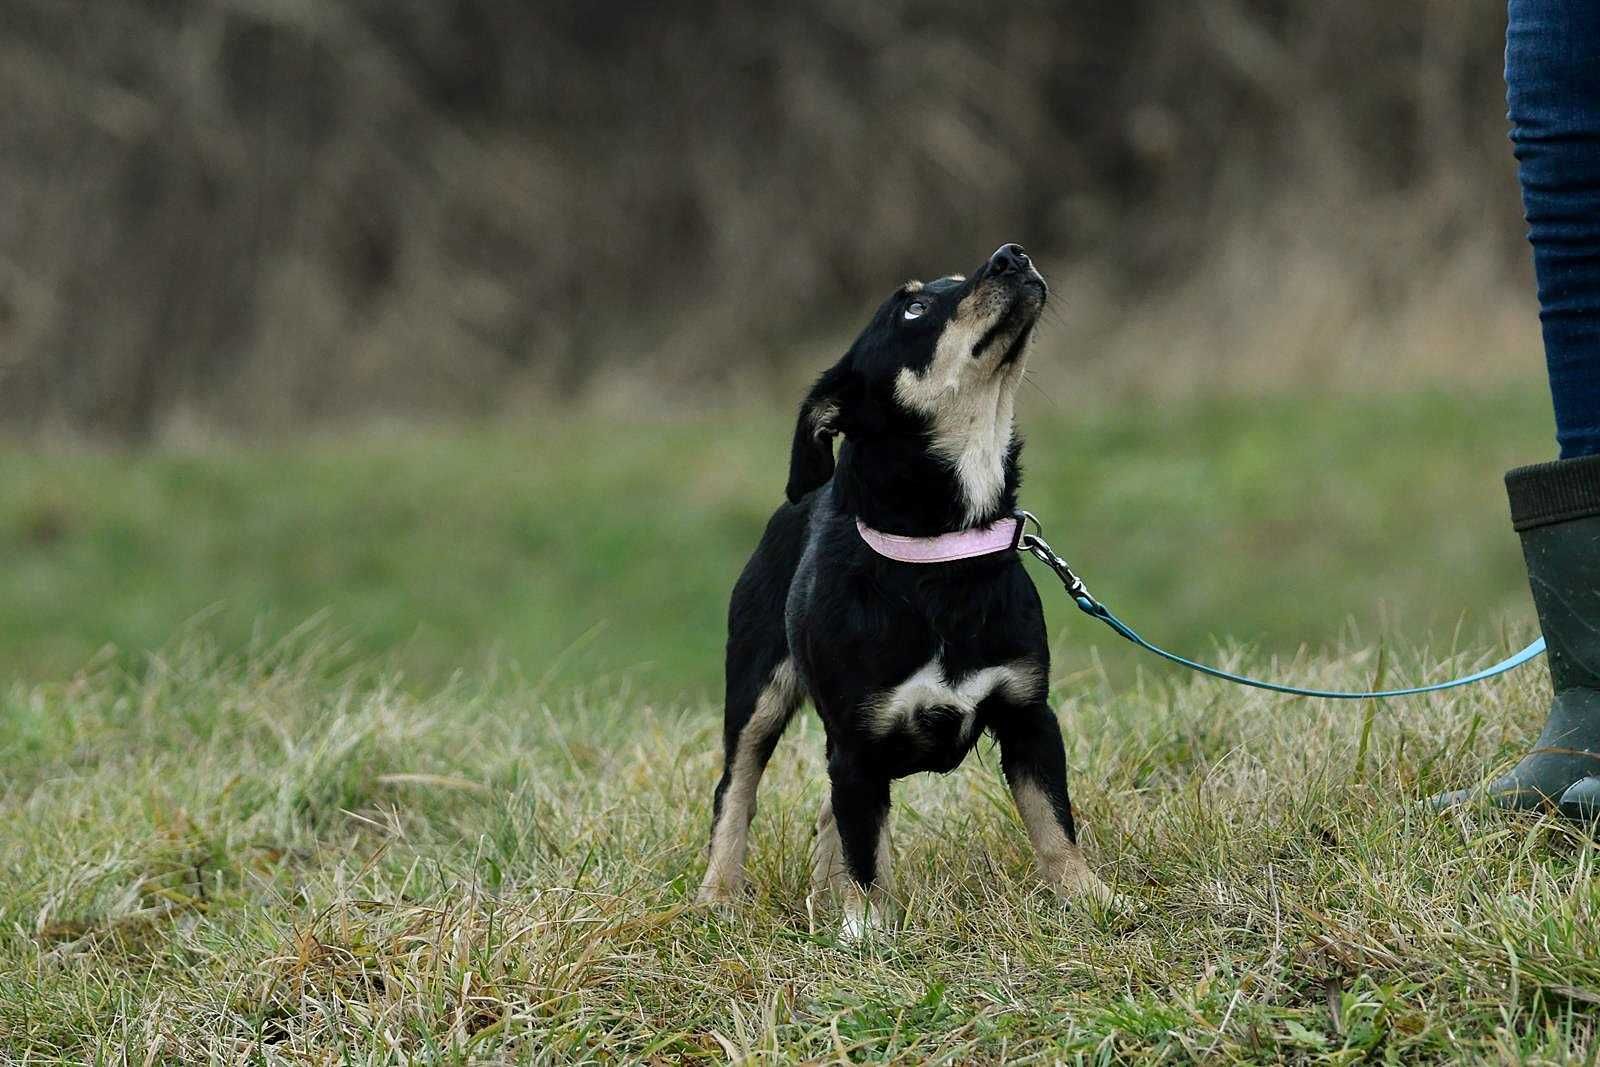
(1009,259)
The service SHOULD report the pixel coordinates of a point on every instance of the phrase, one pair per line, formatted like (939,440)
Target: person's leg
(1553,96)
(1553,100)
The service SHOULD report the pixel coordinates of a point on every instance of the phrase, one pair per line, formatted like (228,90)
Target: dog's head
(935,370)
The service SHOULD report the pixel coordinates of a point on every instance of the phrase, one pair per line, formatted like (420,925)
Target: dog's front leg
(860,810)
(1035,765)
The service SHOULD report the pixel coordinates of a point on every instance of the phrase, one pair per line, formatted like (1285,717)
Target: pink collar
(999,536)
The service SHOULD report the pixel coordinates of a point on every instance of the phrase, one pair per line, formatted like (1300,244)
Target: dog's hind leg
(759,707)
(828,874)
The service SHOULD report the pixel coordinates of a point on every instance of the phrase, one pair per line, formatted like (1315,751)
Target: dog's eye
(915,310)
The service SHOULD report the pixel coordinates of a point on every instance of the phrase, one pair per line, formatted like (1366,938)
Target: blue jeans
(1553,95)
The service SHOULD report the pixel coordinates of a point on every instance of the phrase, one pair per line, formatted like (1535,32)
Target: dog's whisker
(1040,390)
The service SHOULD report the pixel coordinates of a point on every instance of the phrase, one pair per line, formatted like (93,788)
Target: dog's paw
(863,920)
(718,895)
(865,915)
(1087,890)
(1079,884)
(1096,900)
(719,907)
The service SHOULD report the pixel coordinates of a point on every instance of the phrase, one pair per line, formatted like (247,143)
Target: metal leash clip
(1035,545)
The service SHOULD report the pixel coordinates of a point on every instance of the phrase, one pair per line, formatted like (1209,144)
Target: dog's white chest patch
(930,690)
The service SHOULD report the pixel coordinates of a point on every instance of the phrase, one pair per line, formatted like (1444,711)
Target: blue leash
(1039,548)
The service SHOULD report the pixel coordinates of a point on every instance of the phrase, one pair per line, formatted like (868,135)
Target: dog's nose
(1009,259)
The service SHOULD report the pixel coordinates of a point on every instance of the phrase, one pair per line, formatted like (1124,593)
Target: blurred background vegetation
(475,324)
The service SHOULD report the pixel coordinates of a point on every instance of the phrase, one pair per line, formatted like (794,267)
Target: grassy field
(264,858)
(459,817)
(602,551)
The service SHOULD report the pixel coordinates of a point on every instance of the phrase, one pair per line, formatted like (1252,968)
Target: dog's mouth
(1013,303)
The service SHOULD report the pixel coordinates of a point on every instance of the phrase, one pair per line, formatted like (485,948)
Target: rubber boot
(1555,507)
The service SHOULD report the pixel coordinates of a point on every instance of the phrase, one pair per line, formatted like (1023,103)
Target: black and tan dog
(907,663)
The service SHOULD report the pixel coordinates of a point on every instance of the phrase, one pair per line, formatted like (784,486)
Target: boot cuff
(1548,493)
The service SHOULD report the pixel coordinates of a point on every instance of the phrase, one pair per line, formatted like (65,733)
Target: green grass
(460,818)
(264,858)
(598,548)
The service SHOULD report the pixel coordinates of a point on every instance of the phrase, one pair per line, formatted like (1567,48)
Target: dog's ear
(822,416)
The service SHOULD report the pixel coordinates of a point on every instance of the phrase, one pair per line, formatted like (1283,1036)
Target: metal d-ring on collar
(1035,545)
